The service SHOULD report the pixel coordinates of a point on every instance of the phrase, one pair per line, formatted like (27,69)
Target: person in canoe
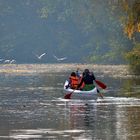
(78,73)
(88,80)
(73,81)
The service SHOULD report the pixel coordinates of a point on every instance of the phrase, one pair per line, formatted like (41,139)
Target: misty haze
(42,42)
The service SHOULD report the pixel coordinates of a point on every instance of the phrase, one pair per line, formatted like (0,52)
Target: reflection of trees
(87,118)
(127,125)
(131,88)
(97,121)
(113,122)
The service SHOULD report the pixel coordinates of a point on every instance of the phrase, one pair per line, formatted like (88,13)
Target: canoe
(79,94)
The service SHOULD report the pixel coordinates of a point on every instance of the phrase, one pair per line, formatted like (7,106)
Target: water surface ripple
(32,107)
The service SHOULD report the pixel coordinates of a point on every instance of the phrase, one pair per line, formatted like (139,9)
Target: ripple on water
(43,133)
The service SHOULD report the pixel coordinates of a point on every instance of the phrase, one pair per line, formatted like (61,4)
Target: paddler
(88,79)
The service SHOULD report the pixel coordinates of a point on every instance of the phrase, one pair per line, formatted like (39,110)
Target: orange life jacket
(74,81)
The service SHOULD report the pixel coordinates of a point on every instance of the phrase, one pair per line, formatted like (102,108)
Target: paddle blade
(100,94)
(67,96)
(99,83)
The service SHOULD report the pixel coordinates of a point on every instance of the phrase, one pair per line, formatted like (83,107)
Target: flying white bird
(7,61)
(59,59)
(12,61)
(40,56)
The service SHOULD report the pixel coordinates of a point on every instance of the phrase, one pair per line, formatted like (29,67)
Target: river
(32,105)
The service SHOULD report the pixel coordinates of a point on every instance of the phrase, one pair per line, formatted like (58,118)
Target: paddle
(101,95)
(101,84)
(68,96)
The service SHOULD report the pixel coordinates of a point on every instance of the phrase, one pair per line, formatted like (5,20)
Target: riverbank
(109,70)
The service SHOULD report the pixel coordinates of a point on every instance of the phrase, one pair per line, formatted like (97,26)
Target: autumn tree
(132,19)
(132,30)
(134,58)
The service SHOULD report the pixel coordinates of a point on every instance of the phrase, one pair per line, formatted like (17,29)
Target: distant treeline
(85,31)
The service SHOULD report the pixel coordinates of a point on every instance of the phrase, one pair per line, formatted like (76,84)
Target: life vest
(74,81)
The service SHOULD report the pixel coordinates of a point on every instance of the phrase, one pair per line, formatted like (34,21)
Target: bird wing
(63,58)
(55,57)
(42,55)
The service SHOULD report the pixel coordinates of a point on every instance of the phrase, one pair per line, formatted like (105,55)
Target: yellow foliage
(125,5)
(129,30)
(132,20)
(138,27)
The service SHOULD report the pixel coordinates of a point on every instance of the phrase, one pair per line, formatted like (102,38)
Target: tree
(132,30)
(134,58)
(132,18)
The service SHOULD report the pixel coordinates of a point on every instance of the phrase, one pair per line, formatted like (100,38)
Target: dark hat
(86,71)
(73,74)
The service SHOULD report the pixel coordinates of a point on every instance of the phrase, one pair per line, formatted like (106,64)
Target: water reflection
(32,107)
(60,119)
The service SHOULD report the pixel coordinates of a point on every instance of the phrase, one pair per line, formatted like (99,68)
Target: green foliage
(88,30)
(134,58)
(130,86)
(131,17)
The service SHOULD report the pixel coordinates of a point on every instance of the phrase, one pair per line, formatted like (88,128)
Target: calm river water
(32,107)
